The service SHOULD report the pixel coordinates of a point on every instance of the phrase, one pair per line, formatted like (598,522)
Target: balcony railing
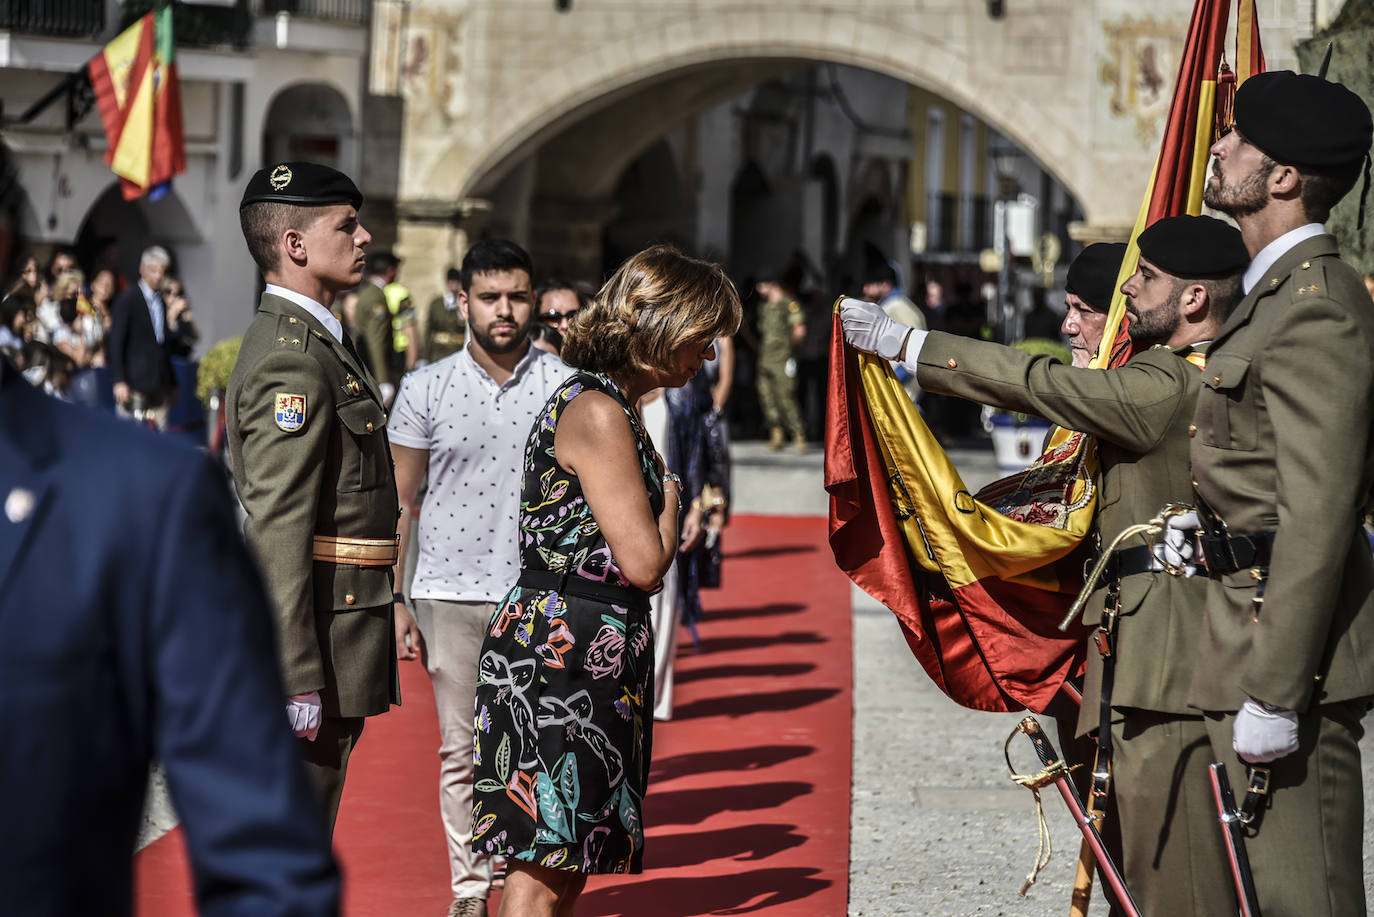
(63,18)
(358,11)
(197,25)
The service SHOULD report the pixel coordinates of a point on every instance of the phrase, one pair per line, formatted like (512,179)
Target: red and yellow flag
(980,582)
(139,96)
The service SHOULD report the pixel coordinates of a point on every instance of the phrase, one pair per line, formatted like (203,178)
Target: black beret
(1188,246)
(1301,119)
(1092,275)
(306,184)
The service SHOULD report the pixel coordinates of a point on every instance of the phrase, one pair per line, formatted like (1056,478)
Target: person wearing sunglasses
(558,303)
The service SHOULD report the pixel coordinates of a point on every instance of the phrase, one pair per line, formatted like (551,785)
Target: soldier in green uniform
(445,328)
(376,338)
(308,445)
(1189,275)
(781,328)
(1283,465)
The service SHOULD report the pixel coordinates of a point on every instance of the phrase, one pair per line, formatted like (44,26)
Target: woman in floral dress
(565,685)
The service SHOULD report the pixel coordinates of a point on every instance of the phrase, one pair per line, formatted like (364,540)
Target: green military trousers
(1306,848)
(778,397)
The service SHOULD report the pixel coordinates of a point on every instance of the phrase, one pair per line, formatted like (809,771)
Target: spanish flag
(139,97)
(979,582)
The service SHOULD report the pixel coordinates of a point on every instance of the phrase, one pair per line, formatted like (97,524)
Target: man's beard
(1238,200)
(494,346)
(1157,325)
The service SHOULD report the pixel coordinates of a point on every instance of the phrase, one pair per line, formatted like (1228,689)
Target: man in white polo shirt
(465,421)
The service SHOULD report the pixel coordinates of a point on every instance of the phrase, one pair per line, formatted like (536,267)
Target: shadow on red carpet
(748,809)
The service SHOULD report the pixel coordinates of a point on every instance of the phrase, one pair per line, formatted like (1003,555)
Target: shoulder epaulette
(292,333)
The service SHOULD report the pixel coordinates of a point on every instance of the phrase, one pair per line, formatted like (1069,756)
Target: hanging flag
(980,582)
(139,97)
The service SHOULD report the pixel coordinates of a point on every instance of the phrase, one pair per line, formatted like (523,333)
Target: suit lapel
(27,446)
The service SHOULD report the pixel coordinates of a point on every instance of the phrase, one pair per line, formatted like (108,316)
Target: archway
(114,231)
(310,121)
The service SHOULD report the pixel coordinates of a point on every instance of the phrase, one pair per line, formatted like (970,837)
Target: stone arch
(310,121)
(914,47)
(135,225)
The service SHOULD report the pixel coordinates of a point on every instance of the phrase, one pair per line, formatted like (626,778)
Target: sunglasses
(554,318)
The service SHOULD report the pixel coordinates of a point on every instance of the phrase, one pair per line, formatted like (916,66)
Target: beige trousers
(453,633)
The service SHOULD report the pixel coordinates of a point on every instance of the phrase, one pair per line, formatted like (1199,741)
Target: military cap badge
(290,412)
(280,178)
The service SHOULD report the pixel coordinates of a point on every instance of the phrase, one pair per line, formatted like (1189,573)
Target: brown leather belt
(359,552)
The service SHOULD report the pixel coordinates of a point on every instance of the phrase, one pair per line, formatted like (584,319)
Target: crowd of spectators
(56,319)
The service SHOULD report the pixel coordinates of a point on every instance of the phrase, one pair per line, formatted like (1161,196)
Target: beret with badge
(1092,275)
(1302,119)
(1194,246)
(305,184)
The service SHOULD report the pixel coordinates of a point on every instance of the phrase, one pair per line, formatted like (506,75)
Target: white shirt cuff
(914,342)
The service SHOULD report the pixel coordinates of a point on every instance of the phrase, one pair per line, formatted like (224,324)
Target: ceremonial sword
(1056,772)
(1233,830)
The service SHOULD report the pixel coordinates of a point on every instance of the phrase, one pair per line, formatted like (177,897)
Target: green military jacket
(308,446)
(445,331)
(1139,414)
(1283,446)
(776,321)
(375,339)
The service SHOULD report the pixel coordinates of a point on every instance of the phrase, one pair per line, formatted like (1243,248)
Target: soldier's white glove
(1263,733)
(303,712)
(868,329)
(1178,546)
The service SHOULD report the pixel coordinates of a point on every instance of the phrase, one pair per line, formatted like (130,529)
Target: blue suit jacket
(134,626)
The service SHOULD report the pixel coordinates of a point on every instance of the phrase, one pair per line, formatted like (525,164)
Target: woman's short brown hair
(657,301)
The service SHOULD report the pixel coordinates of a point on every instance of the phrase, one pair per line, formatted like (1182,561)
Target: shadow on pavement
(738,842)
(758,641)
(743,670)
(771,551)
(746,704)
(734,759)
(757,611)
(692,807)
(742,893)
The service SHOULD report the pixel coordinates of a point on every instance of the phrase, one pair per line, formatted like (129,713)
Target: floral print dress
(565,686)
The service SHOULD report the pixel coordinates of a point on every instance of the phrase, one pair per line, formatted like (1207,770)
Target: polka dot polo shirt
(475,432)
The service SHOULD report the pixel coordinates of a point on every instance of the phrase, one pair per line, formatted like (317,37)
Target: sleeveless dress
(565,685)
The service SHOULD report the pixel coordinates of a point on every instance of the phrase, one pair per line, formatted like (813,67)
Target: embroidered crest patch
(290,412)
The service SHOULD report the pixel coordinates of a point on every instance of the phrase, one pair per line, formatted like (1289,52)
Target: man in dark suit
(134,629)
(139,350)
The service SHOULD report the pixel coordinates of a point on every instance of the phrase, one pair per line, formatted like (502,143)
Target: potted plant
(1017,438)
(212,378)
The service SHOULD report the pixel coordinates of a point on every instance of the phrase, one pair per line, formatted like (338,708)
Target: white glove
(868,329)
(1263,733)
(1179,544)
(303,712)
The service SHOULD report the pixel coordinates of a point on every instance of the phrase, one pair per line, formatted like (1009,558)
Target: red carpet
(748,810)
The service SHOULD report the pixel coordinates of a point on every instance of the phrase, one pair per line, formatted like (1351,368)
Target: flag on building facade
(980,582)
(139,96)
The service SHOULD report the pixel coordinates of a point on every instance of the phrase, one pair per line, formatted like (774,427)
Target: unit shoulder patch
(290,412)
